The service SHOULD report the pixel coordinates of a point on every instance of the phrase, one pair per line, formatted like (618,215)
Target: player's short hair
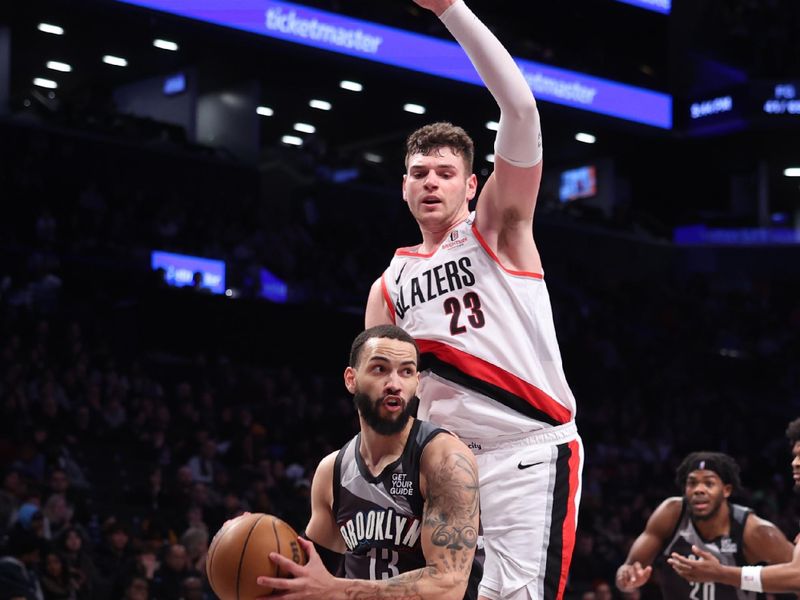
(793,432)
(393,332)
(431,137)
(723,465)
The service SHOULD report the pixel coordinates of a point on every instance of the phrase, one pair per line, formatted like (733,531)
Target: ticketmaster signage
(662,6)
(335,33)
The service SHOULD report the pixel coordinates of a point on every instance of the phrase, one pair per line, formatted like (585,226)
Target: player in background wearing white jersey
(473,296)
(704,567)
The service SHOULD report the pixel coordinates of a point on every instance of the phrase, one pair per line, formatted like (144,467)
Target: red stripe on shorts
(568,529)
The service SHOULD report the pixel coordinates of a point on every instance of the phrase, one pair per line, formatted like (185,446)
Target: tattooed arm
(449,483)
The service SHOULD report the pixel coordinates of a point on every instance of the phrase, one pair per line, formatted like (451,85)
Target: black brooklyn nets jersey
(728,549)
(380,518)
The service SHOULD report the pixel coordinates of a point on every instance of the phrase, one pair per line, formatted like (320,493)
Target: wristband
(751,579)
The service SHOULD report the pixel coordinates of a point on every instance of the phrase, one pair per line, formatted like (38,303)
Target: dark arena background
(195,201)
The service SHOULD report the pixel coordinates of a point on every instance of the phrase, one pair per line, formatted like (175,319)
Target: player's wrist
(728,575)
(750,579)
(339,589)
(446,7)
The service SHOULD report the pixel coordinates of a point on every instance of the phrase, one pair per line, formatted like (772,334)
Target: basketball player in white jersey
(704,567)
(473,295)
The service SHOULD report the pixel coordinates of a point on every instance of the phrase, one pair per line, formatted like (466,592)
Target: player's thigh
(529,502)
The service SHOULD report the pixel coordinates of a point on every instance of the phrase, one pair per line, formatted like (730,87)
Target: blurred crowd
(122,454)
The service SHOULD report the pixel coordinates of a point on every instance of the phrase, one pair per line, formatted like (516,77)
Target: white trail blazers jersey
(490,356)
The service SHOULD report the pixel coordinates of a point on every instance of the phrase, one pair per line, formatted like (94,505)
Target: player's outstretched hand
(308,581)
(703,568)
(630,577)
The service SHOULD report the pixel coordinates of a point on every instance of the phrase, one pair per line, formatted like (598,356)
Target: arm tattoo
(400,587)
(452,504)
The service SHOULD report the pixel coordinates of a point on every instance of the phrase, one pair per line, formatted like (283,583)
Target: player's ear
(404,187)
(472,186)
(350,379)
(727,490)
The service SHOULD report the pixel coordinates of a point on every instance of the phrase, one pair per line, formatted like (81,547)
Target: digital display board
(777,98)
(179,270)
(174,84)
(363,39)
(578,183)
(722,112)
(741,236)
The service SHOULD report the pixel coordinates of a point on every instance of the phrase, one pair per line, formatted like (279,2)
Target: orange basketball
(239,553)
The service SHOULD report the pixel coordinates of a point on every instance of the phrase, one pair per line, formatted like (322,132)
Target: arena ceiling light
(59,66)
(320,104)
(353,86)
(292,140)
(116,61)
(490,158)
(49,28)
(165,45)
(417,109)
(586,138)
(792,172)
(265,111)
(45,83)
(492,125)
(304,128)
(373,158)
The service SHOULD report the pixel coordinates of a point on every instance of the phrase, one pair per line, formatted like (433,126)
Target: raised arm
(508,199)
(449,534)
(637,568)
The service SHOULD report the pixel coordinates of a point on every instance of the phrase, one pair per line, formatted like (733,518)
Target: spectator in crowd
(168,578)
(73,546)
(18,566)
(116,561)
(56,581)
(136,588)
(195,540)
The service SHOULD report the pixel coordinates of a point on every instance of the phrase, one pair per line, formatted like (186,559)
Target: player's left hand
(308,581)
(703,568)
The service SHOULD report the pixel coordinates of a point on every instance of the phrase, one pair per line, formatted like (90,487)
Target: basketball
(239,553)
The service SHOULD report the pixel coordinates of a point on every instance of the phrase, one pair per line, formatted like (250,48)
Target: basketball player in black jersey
(396,509)
(705,568)
(705,519)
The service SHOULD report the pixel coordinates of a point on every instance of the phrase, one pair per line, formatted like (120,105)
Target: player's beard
(715,506)
(369,411)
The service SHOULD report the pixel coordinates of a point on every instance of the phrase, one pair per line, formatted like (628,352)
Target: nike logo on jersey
(523,466)
(396,281)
